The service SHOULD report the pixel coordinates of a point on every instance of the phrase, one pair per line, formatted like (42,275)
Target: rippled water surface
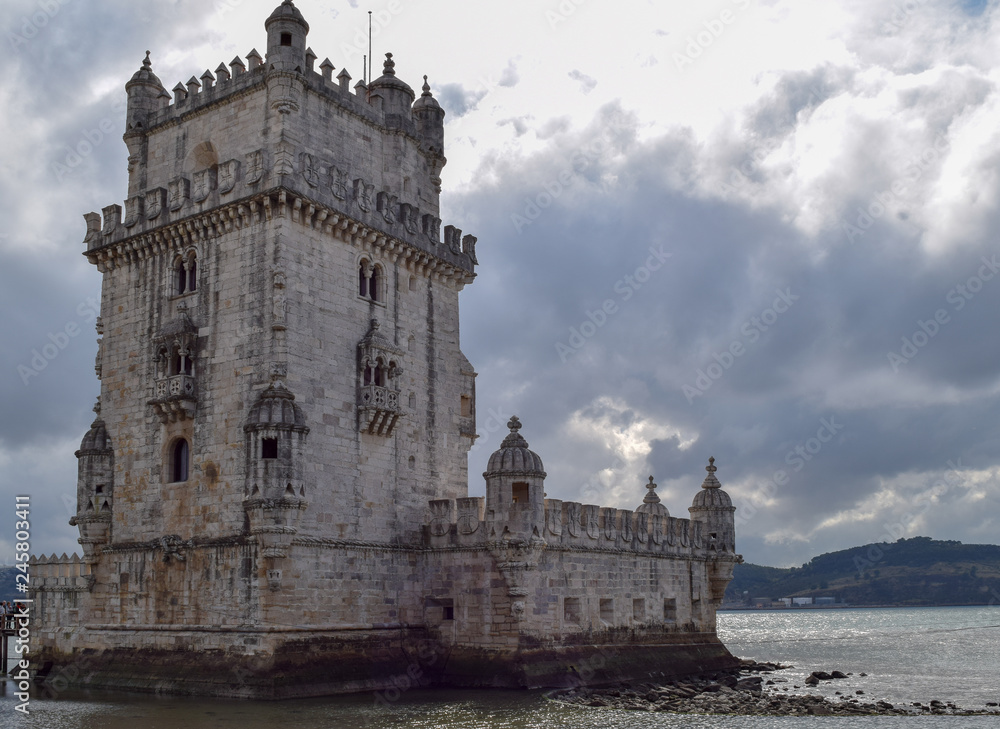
(950,654)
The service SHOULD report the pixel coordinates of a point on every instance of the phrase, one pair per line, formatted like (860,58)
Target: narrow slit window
(179,464)
(269,448)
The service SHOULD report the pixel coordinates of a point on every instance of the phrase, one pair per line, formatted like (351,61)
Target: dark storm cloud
(814,403)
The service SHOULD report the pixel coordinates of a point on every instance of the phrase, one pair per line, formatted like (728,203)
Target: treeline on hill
(917,571)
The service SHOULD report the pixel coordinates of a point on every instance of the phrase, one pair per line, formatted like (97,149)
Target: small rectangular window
(269,448)
(519,493)
(286,39)
(639,609)
(670,610)
(607,610)
(571,609)
(448,612)
(466,406)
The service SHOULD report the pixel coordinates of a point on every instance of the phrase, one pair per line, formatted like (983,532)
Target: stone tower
(273,499)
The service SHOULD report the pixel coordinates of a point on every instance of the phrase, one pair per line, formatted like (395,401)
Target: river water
(909,654)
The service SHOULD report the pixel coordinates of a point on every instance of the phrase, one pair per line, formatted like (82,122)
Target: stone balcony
(379,409)
(176,398)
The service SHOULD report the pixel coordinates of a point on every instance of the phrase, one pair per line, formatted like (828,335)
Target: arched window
(180,277)
(363,272)
(375,284)
(379,373)
(370,281)
(180,455)
(185,274)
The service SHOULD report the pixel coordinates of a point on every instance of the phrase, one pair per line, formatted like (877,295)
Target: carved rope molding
(263,207)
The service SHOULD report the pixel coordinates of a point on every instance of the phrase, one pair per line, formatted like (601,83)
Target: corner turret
(515,489)
(429,117)
(713,507)
(286,39)
(94,488)
(145,96)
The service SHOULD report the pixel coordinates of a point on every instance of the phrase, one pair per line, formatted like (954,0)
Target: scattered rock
(739,692)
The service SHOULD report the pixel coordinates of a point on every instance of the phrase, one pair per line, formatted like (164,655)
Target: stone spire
(711,482)
(651,502)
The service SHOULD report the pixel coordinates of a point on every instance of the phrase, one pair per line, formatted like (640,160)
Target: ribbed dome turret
(145,76)
(514,457)
(276,408)
(711,495)
(96,438)
(427,100)
(388,79)
(287,11)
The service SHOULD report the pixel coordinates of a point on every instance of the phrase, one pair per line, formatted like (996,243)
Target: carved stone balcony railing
(378,408)
(176,398)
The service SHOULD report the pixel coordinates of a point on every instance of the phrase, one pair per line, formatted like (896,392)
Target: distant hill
(8,585)
(913,572)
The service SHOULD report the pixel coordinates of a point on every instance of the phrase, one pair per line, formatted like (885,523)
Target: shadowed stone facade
(273,498)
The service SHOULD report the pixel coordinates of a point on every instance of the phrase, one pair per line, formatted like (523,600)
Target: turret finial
(514,424)
(427,87)
(389,66)
(711,482)
(146,62)
(651,497)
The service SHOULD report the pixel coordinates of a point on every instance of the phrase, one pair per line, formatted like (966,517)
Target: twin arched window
(370,285)
(185,273)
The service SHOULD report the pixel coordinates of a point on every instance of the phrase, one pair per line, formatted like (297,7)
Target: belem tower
(273,498)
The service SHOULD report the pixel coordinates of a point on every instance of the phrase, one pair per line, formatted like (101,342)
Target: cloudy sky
(761,231)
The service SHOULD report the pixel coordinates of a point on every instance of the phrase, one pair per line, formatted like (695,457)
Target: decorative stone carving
(363,194)
(513,559)
(409,217)
(310,170)
(156,200)
(642,526)
(173,546)
(255,167)
(338,183)
(378,398)
(432,228)
(469,248)
(278,302)
(453,239)
(180,192)
(553,517)
(591,519)
(441,517)
(112,217)
(133,210)
(229,172)
(387,206)
(573,518)
(610,524)
(204,183)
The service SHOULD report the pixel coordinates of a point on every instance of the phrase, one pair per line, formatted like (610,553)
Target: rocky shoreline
(755,689)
